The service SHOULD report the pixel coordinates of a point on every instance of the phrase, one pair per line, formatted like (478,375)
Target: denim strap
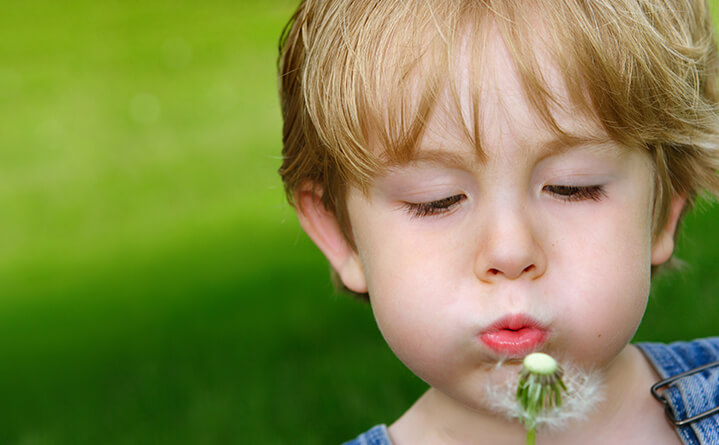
(691,395)
(376,436)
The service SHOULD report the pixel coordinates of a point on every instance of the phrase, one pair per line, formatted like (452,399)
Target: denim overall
(695,393)
(686,397)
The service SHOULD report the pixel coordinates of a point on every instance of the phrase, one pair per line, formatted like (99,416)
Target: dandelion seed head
(584,392)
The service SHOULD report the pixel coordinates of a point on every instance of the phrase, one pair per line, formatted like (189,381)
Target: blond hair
(645,69)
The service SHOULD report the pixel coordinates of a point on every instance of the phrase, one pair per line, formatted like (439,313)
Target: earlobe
(321,226)
(663,246)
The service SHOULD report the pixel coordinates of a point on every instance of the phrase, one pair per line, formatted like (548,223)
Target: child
(499,177)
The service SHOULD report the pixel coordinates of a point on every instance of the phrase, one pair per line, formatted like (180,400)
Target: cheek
(610,293)
(409,272)
(410,312)
(416,304)
(603,329)
(418,336)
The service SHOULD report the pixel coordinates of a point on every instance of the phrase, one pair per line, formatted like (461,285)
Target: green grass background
(154,286)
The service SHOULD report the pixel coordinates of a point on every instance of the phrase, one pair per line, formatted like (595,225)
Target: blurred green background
(154,285)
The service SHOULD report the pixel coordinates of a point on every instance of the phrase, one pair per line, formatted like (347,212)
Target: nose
(509,249)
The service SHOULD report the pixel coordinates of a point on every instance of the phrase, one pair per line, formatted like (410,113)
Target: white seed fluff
(584,393)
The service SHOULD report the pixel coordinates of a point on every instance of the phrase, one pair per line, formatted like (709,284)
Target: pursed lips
(514,335)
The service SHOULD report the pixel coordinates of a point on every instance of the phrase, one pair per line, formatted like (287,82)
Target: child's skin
(558,236)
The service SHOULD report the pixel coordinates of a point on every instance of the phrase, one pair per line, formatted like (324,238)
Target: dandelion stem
(532,436)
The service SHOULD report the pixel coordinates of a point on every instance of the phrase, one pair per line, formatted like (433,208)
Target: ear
(663,246)
(322,227)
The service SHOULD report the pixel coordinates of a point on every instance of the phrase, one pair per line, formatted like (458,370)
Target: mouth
(514,335)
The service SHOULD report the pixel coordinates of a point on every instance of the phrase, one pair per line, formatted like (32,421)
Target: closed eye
(432,208)
(575,192)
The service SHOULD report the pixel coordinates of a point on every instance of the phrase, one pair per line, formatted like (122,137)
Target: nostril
(494,271)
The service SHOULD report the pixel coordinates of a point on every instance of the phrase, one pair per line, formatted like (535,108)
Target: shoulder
(376,435)
(675,358)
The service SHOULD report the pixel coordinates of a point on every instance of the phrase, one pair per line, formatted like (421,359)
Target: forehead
(485,99)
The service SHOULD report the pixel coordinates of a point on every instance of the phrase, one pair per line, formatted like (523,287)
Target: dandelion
(539,389)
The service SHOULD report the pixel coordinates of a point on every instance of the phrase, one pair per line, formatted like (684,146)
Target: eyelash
(570,193)
(432,208)
(576,193)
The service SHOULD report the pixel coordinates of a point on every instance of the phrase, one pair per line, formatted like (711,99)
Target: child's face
(538,246)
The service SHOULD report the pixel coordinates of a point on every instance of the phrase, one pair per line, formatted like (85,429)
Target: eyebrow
(560,145)
(442,157)
(554,147)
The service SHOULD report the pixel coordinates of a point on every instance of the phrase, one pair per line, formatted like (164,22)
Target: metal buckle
(667,408)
